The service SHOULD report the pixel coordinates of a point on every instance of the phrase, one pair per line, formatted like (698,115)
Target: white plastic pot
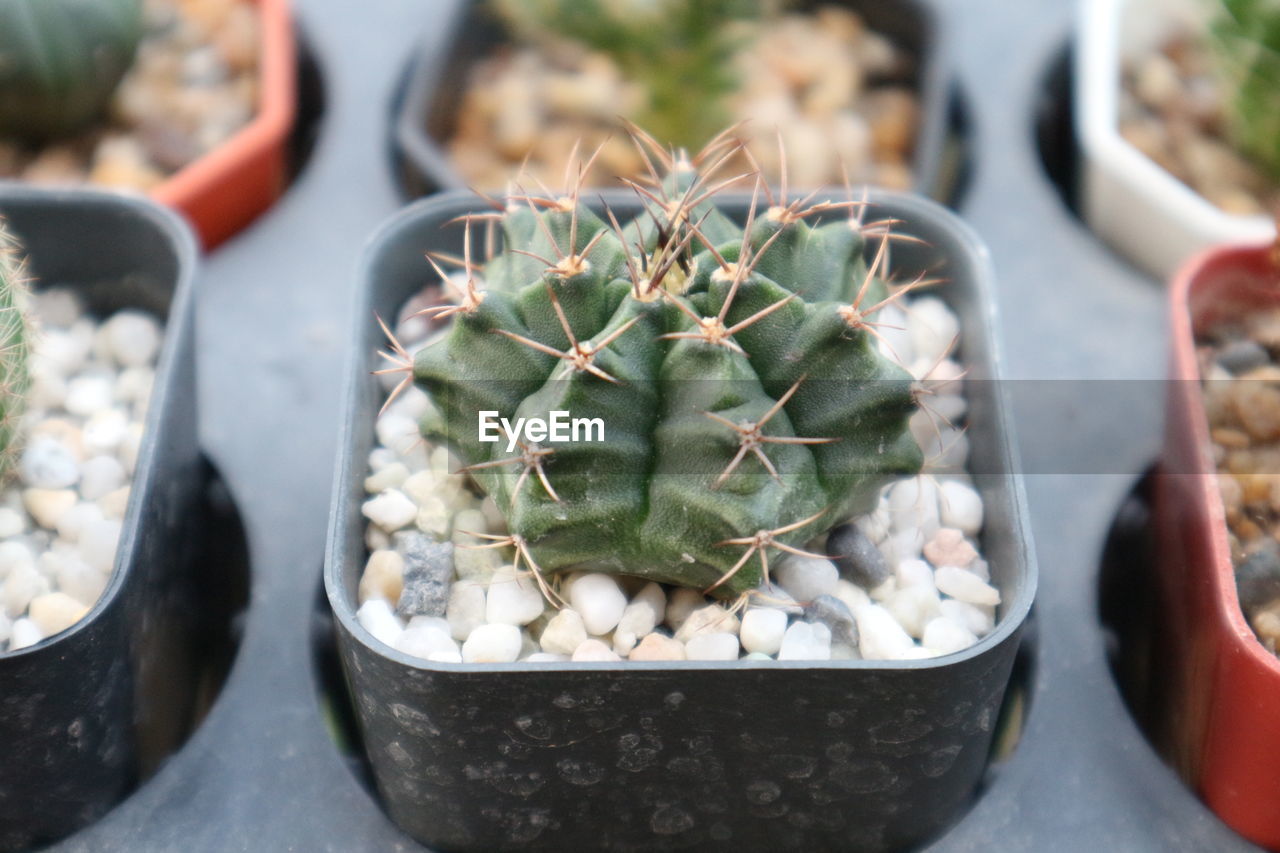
(1144,212)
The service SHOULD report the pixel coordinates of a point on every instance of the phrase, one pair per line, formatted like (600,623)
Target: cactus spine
(736,369)
(60,62)
(15,350)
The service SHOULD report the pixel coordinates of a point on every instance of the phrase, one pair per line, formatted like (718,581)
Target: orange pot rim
(271,123)
(1231,621)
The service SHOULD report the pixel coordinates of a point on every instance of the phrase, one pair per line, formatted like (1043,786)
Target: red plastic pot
(1221,687)
(227,188)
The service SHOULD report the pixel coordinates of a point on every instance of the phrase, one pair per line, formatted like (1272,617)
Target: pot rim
(1015,612)
(1226,599)
(180,237)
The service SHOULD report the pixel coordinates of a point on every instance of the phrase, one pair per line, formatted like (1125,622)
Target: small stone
(806,641)
(15,553)
(545,657)
(564,633)
(1243,355)
(56,611)
(12,522)
(960,506)
(932,326)
(944,636)
(114,504)
(466,608)
(23,633)
(388,477)
(720,646)
(593,650)
(48,464)
(376,617)
(100,476)
(98,541)
(836,615)
(429,642)
(641,616)
(711,619)
(57,307)
(133,385)
(428,572)
(948,547)
(383,577)
(658,647)
(965,586)
(880,637)
(105,431)
(390,510)
(913,507)
(680,604)
(133,337)
(492,644)
(773,597)
(6,628)
(477,564)
(397,432)
(74,576)
(74,521)
(23,583)
(1258,578)
(806,578)
(852,596)
(88,394)
(913,607)
(857,557)
(913,573)
(762,630)
(977,620)
(599,600)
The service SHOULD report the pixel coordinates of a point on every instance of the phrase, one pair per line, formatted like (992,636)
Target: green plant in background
(1246,42)
(15,349)
(60,62)
(736,369)
(680,51)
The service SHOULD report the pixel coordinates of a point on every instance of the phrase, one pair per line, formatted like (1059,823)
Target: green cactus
(736,370)
(60,62)
(15,350)
(680,51)
(1245,36)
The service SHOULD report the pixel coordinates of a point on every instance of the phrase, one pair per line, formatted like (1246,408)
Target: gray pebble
(858,558)
(1258,577)
(836,615)
(1242,356)
(428,573)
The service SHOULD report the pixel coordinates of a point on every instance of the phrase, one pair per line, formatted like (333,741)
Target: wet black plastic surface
(262,772)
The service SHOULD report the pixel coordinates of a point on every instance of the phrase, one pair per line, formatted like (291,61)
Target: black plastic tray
(262,771)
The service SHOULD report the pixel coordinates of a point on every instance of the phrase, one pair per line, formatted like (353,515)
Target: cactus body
(1245,35)
(60,62)
(676,490)
(15,350)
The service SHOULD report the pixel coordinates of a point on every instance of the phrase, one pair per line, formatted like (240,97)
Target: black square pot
(426,111)
(85,712)
(647,755)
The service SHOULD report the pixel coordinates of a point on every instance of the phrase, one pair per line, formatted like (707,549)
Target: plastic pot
(1222,722)
(84,712)
(802,755)
(1143,211)
(427,110)
(224,190)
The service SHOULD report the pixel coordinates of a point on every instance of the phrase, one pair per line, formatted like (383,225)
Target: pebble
(564,633)
(47,505)
(806,578)
(546,657)
(55,611)
(948,547)
(72,523)
(98,540)
(715,646)
(880,637)
(978,620)
(836,615)
(87,395)
(960,506)
(48,464)
(658,647)
(774,597)
(1243,355)
(22,584)
(914,606)
(100,476)
(856,556)
(762,630)
(12,522)
(390,510)
(426,576)
(965,586)
(680,604)
(1258,578)
(133,337)
(75,577)
(429,642)
(642,615)
(376,616)
(383,577)
(492,644)
(388,477)
(913,573)
(23,633)
(711,619)
(806,641)
(465,609)
(600,601)
(594,650)
(945,637)
(913,507)
(932,326)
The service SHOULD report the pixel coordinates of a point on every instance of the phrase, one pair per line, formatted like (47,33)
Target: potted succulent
(851,84)
(1220,576)
(97,505)
(1175,107)
(684,630)
(191,103)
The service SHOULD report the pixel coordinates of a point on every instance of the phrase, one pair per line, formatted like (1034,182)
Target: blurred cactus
(15,348)
(679,51)
(60,62)
(1246,42)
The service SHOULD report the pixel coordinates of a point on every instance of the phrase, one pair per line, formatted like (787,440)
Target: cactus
(679,51)
(1245,36)
(60,62)
(15,346)
(737,370)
